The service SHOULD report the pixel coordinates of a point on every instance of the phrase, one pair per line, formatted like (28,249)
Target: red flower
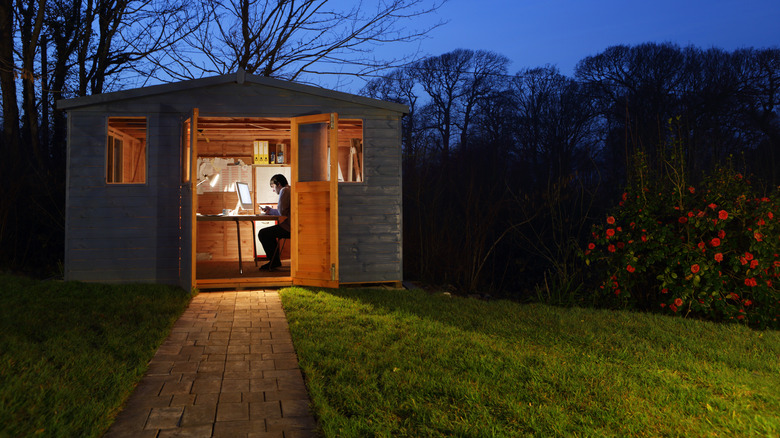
(760,222)
(664,291)
(713,206)
(715,242)
(683,220)
(644,238)
(753,264)
(691,189)
(620,245)
(610,220)
(747,303)
(695,268)
(722,234)
(723,215)
(758,236)
(750,282)
(610,232)
(770,215)
(719,257)
(591,246)
(748,256)
(700,245)
(611,248)
(678,302)
(625,195)
(673,307)
(663,305)
(690,214)
(630,268)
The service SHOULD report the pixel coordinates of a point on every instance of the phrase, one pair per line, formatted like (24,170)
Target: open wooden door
(314,222)
(189,168)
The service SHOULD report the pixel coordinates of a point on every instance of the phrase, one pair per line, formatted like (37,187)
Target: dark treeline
(503,174)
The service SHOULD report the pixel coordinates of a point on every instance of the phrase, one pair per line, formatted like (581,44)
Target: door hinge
(332,121)
(332,272)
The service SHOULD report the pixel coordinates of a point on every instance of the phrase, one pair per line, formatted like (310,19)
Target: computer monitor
(244,196)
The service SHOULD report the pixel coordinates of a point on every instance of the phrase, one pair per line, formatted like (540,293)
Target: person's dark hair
(279,179)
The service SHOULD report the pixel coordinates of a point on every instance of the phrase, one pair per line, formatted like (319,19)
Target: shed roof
(240,78)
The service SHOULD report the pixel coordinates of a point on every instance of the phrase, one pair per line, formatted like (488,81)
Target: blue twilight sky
(534,33)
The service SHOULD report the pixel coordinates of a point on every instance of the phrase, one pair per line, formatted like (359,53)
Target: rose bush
(710,251)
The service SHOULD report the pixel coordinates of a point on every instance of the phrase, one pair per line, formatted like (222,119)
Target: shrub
(709,251)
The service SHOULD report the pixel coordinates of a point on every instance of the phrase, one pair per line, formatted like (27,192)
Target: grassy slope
(70,353)
(405,363)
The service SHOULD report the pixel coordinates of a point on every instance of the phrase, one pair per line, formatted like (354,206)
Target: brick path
(228,369)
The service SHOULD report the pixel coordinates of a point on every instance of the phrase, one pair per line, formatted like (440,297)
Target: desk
(237,218)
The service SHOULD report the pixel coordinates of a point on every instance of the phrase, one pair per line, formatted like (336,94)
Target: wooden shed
(152,172)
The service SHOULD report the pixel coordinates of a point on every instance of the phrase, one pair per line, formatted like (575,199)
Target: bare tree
(487,74)
(555,121)
(290,38)
(122,36)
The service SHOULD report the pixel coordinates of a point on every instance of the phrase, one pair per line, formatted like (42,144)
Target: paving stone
(262,365)
(203,386)
(265,409)
(209,398)
(185,367)
(295,408)
(183,400)
(164,418)
(265,384)
(232,411)
(197,415)
(237,365)
(211,367)
(235,385)
(230,397)
(171,388)
(215,349)
(203,431)
(238,349)
(238,429)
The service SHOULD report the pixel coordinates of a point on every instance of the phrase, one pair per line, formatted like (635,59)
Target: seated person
(268,235)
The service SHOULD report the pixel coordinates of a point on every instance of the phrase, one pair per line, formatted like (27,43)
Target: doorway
(223,152)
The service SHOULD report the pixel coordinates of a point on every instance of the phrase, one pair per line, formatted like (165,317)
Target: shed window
(126,150)
(350,150)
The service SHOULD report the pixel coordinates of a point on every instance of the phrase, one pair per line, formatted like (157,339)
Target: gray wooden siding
(122,233)
(370,213)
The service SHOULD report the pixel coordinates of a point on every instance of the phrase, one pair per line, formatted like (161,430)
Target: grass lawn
(405,363)
(70,353)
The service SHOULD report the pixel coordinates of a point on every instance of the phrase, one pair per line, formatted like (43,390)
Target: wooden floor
(226,275)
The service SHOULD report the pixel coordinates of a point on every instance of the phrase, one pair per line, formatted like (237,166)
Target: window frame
(119,139)
(361,154)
